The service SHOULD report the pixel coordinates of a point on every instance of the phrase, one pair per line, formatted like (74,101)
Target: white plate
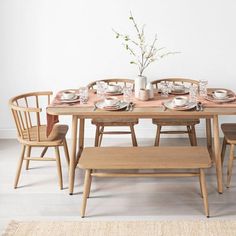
(118,92)
(212,98)
(170,105)
(119,106)
(180,91)
(71,100)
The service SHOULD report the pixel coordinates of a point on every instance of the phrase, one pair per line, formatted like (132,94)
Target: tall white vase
(140,83)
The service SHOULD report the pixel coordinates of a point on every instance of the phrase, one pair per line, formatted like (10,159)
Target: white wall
(55,44)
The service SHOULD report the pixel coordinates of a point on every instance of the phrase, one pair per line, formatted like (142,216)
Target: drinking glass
(127,94)
(83,95)
(164,89)
(193,93)
(101,89)
(203,88)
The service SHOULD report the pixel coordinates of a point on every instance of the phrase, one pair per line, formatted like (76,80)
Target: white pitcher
(140,83)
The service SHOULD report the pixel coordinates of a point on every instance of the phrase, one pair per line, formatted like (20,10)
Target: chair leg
(190,135)
(158,134)
(100,136)
(66,152)
(58,160)
(87,185)
(194,137)
(230,165)
(223,149)
(133,136)
(44,151)
(204,192)
(97,135)
(19,166)
(200,186)
(28,153)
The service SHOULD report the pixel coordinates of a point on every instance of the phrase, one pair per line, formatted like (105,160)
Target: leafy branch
(143,53)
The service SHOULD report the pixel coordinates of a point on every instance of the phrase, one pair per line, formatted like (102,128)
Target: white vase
(150,88)
(140,83)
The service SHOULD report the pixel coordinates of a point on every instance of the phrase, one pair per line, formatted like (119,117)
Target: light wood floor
(39,198)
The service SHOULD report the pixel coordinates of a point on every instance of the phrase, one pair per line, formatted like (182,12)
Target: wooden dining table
(80,113)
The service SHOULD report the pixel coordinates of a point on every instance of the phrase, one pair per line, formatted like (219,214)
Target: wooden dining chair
(31,132)
(185,121)
(229,130)
(114,122)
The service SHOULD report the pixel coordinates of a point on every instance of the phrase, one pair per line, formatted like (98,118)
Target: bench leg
(87,185)
(204,192)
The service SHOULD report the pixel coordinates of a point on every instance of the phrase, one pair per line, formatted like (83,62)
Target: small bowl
(111,101)
(220,94)
(180,100)
(113,88)
(68,95)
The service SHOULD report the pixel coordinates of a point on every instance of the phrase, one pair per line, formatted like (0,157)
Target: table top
(150,109)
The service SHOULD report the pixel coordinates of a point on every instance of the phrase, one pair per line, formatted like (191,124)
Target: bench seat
(108,158)
(96,159)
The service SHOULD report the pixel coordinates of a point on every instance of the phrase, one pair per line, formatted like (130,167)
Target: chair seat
(58,133)
(115,122)
(175,122)
(229,131)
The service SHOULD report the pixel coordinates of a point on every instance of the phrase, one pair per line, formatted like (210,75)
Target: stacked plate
(118,106)
(175,104)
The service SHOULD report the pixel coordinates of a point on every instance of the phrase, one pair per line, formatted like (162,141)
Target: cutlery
(94,107)
(128,107)
(131,106)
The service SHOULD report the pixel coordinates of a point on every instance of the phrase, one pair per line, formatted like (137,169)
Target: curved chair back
(26,110)
(184,81)
(119,81)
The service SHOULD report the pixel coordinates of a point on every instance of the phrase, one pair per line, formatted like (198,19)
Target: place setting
(220,95)
(113,104)
(179,103)
(68,96)
(179,89)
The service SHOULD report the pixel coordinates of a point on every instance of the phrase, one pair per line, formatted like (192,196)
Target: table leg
(217,153)
(81,139)
(209,136)
(73,154)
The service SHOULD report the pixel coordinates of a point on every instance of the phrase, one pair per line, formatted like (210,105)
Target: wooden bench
(186,159)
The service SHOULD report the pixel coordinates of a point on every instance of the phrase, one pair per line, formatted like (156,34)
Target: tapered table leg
(73,154)
(217,154)
(81,139)
(209,136)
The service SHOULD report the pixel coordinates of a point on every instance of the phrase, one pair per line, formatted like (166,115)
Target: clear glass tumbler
(101,89)
(127,94)
(203,88)
(164,86)
(83,95)
(193,93)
